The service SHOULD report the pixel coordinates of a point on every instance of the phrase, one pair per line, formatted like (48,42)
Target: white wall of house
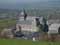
(29,24)
(27,27)
(53,28)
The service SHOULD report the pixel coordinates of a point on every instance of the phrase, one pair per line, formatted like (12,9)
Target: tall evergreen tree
(45,26)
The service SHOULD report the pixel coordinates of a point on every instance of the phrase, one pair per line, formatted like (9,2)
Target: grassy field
(25,42)
(6,22)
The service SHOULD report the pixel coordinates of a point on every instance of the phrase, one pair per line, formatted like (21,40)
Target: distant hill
(54,3)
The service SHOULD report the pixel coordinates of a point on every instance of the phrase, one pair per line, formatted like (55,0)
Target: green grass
(25,42)
(6,22)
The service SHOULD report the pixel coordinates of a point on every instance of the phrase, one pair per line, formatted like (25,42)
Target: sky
(14,3)
(20,1)
(23,1)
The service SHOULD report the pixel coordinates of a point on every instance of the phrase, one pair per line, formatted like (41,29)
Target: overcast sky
(14,3)
(20,1)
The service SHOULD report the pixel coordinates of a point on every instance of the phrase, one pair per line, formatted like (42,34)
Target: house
(53,28)
(53,18)
(28,24)
(53,23)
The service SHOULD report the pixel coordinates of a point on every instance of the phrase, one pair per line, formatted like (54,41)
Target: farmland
(4,23)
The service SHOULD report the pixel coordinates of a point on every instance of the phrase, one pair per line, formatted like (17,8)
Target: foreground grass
(25,42)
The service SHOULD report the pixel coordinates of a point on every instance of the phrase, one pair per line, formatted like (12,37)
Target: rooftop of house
(54,16)
(28,20)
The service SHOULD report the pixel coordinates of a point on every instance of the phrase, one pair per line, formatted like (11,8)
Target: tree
(59,30)
(45,26)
